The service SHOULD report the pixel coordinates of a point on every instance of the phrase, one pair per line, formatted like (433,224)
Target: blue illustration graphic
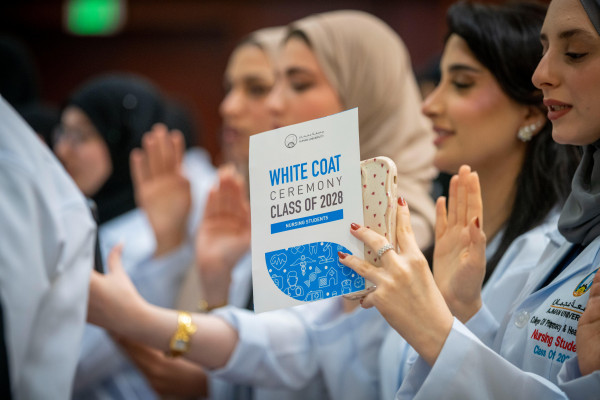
(312,271)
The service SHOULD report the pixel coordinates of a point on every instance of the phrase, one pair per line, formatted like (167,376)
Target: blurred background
(181,45)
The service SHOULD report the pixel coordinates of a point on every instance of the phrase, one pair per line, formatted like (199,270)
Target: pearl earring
(526,132)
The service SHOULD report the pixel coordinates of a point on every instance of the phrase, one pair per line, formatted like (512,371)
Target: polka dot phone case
(378,179)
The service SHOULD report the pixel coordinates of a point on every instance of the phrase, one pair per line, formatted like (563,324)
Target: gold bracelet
(180,341)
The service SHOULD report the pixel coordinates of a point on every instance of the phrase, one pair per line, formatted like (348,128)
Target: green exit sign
(94,17)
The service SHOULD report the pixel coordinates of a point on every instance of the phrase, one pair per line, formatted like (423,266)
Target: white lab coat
(311,347)
(532,355)
(46,256)
(104,371)
(505,283)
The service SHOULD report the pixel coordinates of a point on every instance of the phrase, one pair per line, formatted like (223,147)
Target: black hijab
(592,8)
(580,218)
(122,108)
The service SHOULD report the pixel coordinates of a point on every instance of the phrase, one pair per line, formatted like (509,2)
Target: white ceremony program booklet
(305,190)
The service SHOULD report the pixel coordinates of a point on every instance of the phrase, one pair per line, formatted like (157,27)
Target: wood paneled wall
(183,45)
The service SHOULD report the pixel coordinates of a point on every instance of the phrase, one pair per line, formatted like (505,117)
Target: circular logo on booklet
(290,140)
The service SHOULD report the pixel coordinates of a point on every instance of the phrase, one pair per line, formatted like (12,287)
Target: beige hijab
(369,66)
(268,39)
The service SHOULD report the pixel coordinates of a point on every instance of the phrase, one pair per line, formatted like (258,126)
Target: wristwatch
(180,341)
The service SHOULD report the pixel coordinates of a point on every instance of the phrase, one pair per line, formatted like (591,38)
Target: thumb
(115,266)
(441,218)
(178,141)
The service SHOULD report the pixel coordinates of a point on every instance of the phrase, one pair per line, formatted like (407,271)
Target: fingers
(164,151)
(229,197)
(221,188)
(464,199)
(212,202)
(168,151)
(441,219)
(178,141)
(139,168)
(461,201)
(474,203)
(114,259)
(361,267)
(228,188)
(452,196)
(404,233)
(369,237)
(153,143)
(239,199)
(477,236)
(367,301)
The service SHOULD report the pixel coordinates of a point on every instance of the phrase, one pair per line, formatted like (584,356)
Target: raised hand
(161,189)
(223,236)
(588,332)
(406,294)
(459,255)
(167,376)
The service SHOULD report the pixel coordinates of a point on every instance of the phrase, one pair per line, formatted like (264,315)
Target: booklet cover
(305,190)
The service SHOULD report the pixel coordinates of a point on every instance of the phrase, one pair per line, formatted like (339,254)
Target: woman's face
(569,73)
(475,121)
(301,91)
(82,151)
(248,80)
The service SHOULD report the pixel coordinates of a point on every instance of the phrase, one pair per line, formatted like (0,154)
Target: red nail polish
(477,222)
(401,201)
(342,255)
(354,226)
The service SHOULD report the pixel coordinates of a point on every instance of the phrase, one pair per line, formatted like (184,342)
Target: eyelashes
(575,56)
(461,85)
(259,90)
(301,86)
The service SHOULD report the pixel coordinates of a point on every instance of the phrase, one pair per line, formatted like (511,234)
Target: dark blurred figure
(19,85)
(18,74)
(42,118)
(178,116)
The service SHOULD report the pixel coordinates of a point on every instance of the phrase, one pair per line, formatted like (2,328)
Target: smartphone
(379,178)
(98,264)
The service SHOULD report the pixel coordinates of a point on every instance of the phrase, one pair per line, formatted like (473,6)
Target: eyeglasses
(74,137)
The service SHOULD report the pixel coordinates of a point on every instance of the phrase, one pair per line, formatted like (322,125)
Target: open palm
(223,236)
(459,255)
(161,189)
